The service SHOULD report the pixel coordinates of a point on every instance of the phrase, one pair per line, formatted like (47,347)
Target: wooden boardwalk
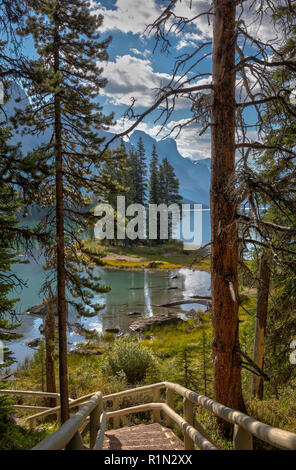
(142,437)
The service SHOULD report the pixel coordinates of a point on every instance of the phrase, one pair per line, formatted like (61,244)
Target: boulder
(42,328)
(133,314)
(33,343)
(157,320)
(41,310)
(112,330)
(154,264)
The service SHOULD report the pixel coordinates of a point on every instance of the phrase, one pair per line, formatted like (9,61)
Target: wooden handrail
(244,426)
(101,432)
(200,441)
(68,436)
(274,436)
(29,392)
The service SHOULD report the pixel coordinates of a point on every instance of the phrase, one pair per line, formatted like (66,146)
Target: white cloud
(190,144)
(130,15)
(123,124)
(133,77)
(144,53)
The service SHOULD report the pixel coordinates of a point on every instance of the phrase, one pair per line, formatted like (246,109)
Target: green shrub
(130,357)
(6,409)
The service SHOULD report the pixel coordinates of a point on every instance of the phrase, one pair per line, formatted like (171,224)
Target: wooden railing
(33,394)
(69,436)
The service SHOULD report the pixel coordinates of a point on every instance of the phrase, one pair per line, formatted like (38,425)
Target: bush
(130,357)
(6,410)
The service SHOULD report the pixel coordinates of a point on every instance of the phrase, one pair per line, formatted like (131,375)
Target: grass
(186,345)
(17,437)
(171,255)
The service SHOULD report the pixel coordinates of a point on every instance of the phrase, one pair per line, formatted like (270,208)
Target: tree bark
(227,361)
(257,387)
(49,350)
(61,272)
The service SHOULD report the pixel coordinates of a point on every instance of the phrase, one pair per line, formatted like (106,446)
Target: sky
(135,69)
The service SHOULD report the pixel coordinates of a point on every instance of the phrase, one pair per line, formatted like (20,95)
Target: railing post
(242,440)
(76,442)
(32,423)
(94,420)
(189,417)
(156,399)
(116,419)
(170,402)
(59,421)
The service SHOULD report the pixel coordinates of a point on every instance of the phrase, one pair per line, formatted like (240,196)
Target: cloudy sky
(136,70)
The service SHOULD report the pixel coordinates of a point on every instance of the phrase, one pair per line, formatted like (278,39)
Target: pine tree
(140,180)
(154,184)
(67,79)
(169,184)
(169,188)
(9,205)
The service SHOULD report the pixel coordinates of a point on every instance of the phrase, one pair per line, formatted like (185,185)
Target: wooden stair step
(143,436)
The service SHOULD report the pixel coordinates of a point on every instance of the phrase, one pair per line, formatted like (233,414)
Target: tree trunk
(260,327)
(227,361)
(49,350)
(61,272)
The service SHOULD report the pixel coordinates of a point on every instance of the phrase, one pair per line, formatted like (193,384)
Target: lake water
(139,291)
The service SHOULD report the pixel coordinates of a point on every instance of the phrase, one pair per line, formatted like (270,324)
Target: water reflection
(132,291)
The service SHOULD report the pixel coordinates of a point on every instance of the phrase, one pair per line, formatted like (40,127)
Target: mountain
(194,179)
(194,176)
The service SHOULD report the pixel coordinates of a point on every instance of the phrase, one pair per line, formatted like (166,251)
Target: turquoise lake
(132,291)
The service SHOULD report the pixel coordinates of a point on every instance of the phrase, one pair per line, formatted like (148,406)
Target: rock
(86,351)
(42,328)
(33,343)
(80,330)
(154,264)
(131,314)
(175,276)
(173,288)
(41,310)
(157,320)
(112,330)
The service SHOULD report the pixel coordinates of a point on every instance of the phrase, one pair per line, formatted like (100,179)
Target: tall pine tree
(67,80)
(154,183)
(140,180)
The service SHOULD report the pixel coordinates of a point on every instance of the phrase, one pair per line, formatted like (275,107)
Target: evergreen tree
(67,79)
(140,180)
(169,188)
(169,184)
(154,183)
(9,205)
